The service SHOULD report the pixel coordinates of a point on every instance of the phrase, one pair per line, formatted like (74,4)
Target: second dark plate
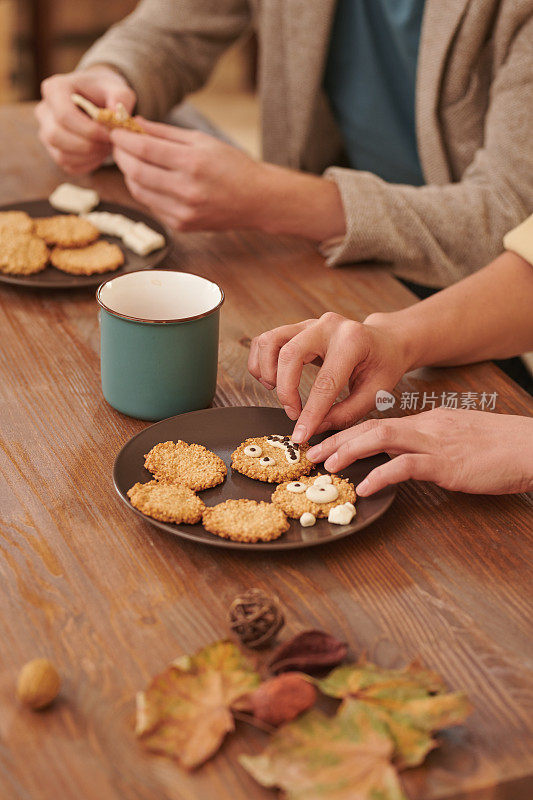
(222,430)
(52,278)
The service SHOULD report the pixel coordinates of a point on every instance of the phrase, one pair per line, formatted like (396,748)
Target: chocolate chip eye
(266,460)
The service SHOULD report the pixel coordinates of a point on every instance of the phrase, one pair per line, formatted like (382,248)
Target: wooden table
(111,600)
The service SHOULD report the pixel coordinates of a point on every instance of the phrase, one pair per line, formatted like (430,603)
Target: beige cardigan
(474,117)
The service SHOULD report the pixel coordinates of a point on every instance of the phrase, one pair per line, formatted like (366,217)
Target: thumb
(117,93)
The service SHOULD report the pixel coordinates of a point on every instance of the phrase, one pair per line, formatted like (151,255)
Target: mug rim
(158,321)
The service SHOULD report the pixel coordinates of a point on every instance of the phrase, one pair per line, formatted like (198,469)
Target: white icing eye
(296,487)
(266,461)
(322,480)
(253,450)
(307,519)
(322,494)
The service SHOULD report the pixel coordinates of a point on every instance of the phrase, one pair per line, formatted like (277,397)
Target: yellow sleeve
(520,240)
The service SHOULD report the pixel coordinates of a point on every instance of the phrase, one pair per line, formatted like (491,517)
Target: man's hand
(360,356)
(187,178)
(461,450)
(75,141)
(193,181)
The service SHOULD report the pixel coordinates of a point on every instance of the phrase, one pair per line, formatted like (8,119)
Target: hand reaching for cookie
(462,450)
(349,353)
(75,141)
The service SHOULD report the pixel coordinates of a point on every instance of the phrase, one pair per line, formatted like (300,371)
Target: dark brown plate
(222,430)
(52,278)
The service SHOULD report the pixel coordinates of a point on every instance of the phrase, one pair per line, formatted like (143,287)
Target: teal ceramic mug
(159,342)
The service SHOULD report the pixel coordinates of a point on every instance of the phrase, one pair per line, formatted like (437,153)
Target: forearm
(291,202)
(485,316)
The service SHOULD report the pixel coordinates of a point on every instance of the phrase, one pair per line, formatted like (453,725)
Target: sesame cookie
(245,521)
(293,496)
(189,464)
(66,230)
(271,459)
(22,253)
(15,221)
(167,503)
(98,257)
(118,118)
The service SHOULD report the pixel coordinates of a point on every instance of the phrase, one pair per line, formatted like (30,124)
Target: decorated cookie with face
(271,458)
(315,495)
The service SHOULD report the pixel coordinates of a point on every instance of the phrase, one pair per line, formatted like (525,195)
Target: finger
(390,436)
(72,165)
(268,346)
(333,375)
(70,116)
(300,350)
(166,208)
(150,177)
(150,149)
(349,411)
(51,133)
(404,467)
(321,451)
(171,132)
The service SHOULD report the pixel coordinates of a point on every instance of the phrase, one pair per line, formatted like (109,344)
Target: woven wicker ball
(256,617)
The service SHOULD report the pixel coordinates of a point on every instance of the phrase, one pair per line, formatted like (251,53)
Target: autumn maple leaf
(185,711)
(316,757)
(411,703)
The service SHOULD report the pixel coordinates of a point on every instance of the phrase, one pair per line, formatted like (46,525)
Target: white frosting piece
(110,224)
(73,199)
(253,450)
(322,480)
(275,440)
(322,494)
(296,487)
(266,461)
(341,515)
(142,239)
(307,519)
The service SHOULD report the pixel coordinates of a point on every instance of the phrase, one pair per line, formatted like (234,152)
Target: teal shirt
(370,81)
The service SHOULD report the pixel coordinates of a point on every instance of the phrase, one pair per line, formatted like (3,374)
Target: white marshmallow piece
(142,239)
(307,519)
(322,494)
(322,480)
(73,199)
(108,223)
(351,507)
(341,515)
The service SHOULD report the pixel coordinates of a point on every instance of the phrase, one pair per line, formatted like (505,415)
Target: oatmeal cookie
(192,465)
(271,459)
(17,221)
(98,257)
(293,496)
(22,253)
(66,230)
(245,521)
(167,503)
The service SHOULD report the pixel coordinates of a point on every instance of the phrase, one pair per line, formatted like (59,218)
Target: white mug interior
(157,295)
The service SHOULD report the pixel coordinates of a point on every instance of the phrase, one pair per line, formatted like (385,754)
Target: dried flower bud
(310,651)
(279,700)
